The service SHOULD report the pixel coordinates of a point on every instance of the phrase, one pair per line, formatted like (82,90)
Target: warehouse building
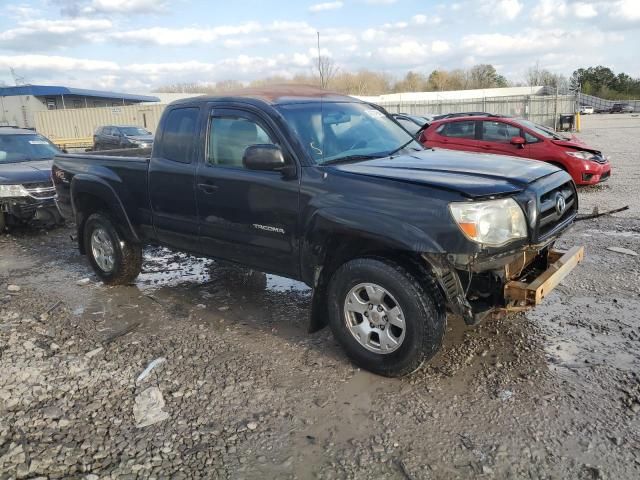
(19,104)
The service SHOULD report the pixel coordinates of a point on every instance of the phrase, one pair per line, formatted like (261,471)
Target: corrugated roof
(52,91)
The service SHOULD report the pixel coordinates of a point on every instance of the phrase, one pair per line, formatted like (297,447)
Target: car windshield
(24,148)
(334,131)
(134,131)
(539,129)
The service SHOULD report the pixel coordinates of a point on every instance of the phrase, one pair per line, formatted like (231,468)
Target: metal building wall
(82,122)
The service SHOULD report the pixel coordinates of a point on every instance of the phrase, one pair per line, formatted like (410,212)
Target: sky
(138,45)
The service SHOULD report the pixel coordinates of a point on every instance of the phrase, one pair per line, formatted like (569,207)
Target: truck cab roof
(16,131)
(274,95)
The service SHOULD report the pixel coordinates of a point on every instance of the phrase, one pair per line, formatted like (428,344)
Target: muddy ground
(551,394)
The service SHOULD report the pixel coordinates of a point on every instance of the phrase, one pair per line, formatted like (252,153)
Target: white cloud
(440,46)
(322,7)
(48,63)
(629,10)
(584,10)
(419,19)
(98,7)
(501,10)
(42,34)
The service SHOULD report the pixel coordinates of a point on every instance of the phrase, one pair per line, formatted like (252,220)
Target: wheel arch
(330,245)
(90,194)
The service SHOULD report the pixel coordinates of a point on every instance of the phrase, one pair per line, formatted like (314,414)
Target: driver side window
(229,137)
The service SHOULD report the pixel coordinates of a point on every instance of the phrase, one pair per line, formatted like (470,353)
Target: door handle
(207,187)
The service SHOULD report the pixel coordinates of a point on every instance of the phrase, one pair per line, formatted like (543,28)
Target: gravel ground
(240,390)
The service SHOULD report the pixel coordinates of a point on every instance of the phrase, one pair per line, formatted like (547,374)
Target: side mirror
(518,141)
(263,157)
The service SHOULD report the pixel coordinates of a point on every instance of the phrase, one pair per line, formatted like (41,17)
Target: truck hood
(471,174)
(25,172)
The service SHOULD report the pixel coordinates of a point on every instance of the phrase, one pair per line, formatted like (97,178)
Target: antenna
(18,80)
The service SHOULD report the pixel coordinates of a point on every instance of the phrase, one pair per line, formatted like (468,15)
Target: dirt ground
(247,393)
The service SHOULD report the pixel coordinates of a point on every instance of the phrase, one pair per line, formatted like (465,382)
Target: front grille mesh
(549,219)
(40,189)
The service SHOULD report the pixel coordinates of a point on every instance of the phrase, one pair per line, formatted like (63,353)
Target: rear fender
(99,188)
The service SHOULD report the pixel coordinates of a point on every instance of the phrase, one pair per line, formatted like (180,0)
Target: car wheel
(385,319)
(115,260)
(3,222)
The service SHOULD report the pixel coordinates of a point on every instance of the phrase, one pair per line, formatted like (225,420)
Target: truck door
(246,216)
(172,180)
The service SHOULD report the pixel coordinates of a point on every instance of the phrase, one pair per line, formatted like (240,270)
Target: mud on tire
(420,302)
(127,256)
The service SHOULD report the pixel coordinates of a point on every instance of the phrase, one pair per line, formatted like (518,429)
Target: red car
(520,138)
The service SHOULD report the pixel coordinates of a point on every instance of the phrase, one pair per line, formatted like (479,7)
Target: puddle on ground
(585,331)
(165,268)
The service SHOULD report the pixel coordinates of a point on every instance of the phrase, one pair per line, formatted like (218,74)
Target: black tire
(422,305)
(127,255)
(3,222)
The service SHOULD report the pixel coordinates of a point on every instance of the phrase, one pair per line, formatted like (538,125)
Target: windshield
(134,131)
(344,131)
(23,148)
(539,129)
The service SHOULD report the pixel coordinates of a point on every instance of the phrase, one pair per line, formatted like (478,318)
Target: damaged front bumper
(513,282)
(23,210)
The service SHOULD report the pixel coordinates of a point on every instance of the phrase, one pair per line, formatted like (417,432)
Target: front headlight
(492,223)
(581,154)
(13,191)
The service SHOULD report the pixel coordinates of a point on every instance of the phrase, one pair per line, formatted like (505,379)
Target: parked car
(519,138)
(330,190)
(621,108)
(26,189)
(414,124)
(111,137)
(463,114)
(586,110)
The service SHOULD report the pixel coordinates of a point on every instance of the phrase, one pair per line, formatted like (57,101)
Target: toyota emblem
(561,204)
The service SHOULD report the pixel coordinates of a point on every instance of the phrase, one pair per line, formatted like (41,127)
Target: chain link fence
(543,109)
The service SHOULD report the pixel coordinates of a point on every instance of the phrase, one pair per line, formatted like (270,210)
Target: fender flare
(384,230)
(331,223)
(100,188)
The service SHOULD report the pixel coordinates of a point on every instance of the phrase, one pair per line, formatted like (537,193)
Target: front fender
(386,231)
(99,188)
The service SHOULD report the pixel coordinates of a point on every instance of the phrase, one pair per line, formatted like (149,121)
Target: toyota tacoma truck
(332,191)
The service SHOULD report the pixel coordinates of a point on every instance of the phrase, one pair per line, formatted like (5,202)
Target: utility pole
(320,62)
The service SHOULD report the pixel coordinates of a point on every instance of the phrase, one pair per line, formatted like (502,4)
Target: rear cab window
(179,135)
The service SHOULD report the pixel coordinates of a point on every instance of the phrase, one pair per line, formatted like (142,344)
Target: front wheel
(115,260)
(387,321)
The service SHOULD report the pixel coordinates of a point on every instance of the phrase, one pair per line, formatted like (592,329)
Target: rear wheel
(115,260)
(387,321)
(3,222)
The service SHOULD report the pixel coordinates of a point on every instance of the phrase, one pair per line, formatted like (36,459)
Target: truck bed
(125,175)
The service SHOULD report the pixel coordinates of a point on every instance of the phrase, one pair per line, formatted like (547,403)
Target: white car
(586,110)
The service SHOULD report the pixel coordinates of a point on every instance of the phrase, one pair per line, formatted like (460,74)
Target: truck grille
(551,214)
(40,190)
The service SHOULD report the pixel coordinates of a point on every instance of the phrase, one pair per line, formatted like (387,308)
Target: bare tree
(537,76)
(327,69)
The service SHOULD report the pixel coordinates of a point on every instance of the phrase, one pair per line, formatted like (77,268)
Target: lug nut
(370,306)
(366,314)
(379,308)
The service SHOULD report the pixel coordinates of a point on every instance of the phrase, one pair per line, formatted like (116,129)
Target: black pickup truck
(332,191)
